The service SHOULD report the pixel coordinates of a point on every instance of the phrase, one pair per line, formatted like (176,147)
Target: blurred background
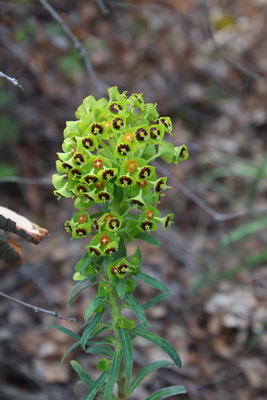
(214,256)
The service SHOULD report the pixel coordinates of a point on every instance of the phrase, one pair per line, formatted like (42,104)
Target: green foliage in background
(9,134)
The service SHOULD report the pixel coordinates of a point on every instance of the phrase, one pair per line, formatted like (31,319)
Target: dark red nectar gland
(115,108)
(117,123)
(123,149)
(87,143)
(97,129)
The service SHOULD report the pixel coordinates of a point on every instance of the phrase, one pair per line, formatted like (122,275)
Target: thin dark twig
(233,63)
(26,181)
(77,45)
(178,185)
(102,6)
(12,80)
(37,309)
(123,6)
(202,204)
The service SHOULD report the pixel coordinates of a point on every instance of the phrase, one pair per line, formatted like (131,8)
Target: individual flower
(104,243)
(125,181)
(119,268)
(147,225)
(111,222)
(124,150)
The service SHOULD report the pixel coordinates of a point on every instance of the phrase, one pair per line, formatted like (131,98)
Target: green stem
(153,158)
(115,309)
(108,151)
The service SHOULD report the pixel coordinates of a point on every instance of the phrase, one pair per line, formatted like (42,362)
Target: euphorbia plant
(106,167)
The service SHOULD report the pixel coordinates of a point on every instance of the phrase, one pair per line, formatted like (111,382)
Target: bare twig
(26,181)
(37,309)
(233,63)
(12,80)
(123,6)
(202,204)
(97,85)
(175,183)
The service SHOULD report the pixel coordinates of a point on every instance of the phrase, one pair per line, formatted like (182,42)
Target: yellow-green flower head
(106,163)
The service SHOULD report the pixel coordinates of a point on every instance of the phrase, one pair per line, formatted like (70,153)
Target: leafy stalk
(105,163)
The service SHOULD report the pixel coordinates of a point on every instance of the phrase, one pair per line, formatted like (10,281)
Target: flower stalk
(105,166)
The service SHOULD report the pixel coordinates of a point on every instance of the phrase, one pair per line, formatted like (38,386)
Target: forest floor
(214,257)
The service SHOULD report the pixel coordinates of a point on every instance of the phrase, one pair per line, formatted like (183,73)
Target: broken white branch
(12,80)
(12,222)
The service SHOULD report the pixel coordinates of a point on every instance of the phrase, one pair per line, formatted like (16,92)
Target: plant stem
(115,309)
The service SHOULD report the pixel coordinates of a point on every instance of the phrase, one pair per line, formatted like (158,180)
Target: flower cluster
(106,160)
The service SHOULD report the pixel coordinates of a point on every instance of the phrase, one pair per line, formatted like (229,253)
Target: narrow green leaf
(253,187)
(161,343)
(127,351)
(100,342)
(66,331)
(137,253)
(100,350)
(136,308)
(120,253)
(144,372)
(113,374)
(69,351)
(155,300)
(83,263)
(209,278)
(88,278)
(91,326)
(91,395)
(166,392)
(85,377)
(93,306)
(243,231)
(121,288)
(146,237)
(78,292)
(149,280)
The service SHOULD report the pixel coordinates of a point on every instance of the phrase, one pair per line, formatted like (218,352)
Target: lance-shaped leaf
(160,342)
(91,326)
(166,392)
(127,351)
(149,280)
(121,288)
(144,372)
(98,384)
(67,352)
(66,331)
(112,375)
(100,350)
(85,377)
(136,308)
(150,303)
(148,238)
(79,291)
(93,306)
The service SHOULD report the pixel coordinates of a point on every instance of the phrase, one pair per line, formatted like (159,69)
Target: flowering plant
(106,167)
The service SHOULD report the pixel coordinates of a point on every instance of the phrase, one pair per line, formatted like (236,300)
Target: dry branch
(229,61)
(97,85)
(12,80)
(21,226)
(37,309)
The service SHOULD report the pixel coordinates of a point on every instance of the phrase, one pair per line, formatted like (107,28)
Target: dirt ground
(214,257)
